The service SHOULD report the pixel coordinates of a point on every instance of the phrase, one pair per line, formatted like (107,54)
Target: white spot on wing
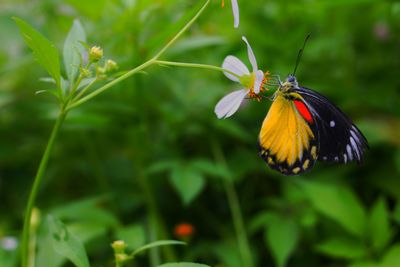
(345,158)
(336,158)
(355,147)
(349,152)
(324,158)
(354,135)
(332,124)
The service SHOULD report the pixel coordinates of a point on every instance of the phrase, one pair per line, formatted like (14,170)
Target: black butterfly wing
(339,139)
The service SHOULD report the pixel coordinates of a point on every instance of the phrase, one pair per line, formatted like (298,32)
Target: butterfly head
(290,84)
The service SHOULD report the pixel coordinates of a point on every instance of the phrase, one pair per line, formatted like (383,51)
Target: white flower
(251,81)
(235,10)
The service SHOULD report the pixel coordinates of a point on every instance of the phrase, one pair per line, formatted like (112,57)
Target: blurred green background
(150,153)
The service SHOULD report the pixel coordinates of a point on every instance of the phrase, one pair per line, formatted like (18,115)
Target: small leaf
(338,203)
(379,225)
(54,92)
(342,248)
(66,243)
(157,244)
(282,236)
(187,182)
(183,264)
(210,168)
(45,52)
(74,50)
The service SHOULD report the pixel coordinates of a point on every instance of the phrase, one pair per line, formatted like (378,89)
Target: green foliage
(187,182)
(282,236)
(338,203)
(45,52)
(67,244)
(343,248)
(379,225)
(74,50)
(156,244)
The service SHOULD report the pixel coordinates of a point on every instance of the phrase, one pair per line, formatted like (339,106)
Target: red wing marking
(303,110)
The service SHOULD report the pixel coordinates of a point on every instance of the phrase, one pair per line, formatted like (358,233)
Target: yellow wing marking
(284,132)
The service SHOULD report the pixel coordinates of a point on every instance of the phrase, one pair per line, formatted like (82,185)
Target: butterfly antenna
(300,54)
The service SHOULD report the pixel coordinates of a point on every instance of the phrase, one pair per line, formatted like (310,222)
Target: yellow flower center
(248,82)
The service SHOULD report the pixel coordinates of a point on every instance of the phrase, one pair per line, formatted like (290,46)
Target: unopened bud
(35,218)
(95,53)
(119,246)
(121,258)
(86,72)
(110,65)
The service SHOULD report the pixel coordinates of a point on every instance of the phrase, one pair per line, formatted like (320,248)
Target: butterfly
(302,126)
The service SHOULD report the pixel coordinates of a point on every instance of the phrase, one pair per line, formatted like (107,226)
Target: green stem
(110,84)
(187,26)
(84,90)
(195,65)
(234,205)
(35,188)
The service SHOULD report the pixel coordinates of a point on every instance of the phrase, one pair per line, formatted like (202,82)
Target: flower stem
(35,188)
(195,65)
(110,84)
(187,26)
(234,205)
(84,90)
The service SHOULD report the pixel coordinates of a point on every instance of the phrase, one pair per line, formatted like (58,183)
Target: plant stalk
(35,188)
(195,65)
(234,205)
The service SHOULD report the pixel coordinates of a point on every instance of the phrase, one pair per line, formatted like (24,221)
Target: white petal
(236,66)
(230,103)
(258,81)
(251,56)
(235,10)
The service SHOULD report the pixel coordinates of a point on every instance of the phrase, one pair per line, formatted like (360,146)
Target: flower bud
(85,72)
(35,218)
(121,258)
(110,65)
(95,53)
(119,246)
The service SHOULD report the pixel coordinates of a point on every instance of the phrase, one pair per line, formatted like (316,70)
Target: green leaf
(44,51)
(392,257)
(67,244)
(187,182)
(157,244)
(210,168)
(282,236)
(87,210)
(343,248)
(227,252)
(338,203)
(379,225)
(74,50)
(183,264)
(53,92)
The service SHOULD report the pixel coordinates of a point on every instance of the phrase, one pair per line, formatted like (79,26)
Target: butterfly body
(302,126)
